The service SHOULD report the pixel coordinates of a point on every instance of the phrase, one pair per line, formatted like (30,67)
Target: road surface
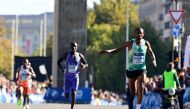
(66,106)
(61,106)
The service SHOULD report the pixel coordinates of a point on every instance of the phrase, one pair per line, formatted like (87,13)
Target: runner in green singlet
(137,65)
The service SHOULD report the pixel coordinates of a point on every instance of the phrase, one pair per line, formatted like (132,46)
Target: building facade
(186,20)
(29,30)
(157,12)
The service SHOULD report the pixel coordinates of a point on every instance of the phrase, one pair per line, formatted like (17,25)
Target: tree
(6,57)
(2,28)
(5,52)
(49,44)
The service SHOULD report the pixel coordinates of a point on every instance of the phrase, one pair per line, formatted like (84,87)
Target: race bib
(23,73)
(24,76)
(138,58)
(72,68)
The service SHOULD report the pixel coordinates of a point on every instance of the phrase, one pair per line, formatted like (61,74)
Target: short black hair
(138,28)
(74,44)
(24,60)
(170,66)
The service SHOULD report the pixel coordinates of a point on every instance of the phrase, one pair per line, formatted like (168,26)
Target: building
(186,20)
(30,30)
(157,12)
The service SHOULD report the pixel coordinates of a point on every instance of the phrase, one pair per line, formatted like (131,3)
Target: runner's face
(74,47)
(26,63)
(139,33)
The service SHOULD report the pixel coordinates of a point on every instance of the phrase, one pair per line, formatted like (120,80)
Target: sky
(25,7)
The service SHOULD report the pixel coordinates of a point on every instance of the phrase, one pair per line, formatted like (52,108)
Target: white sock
(138,106)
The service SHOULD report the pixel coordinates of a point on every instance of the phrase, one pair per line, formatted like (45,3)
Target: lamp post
(127,38)
(13,47)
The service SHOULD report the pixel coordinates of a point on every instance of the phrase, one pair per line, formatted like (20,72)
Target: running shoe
(19,103)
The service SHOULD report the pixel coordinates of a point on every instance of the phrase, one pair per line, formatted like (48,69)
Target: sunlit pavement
(187,105)
(61,106)
(66,106)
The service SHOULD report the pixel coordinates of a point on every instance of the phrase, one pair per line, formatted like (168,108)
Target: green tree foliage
(5,52)
(2,28)
(49,44)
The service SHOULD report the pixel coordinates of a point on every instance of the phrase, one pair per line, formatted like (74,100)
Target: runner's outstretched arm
(115,50)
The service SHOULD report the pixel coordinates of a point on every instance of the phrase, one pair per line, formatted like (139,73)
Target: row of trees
(106,30)
(5,51)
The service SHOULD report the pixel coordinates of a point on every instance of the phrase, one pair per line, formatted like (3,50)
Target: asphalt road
(61,106)
(66,106)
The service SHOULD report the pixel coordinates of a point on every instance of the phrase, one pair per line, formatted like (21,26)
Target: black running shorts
(135,73)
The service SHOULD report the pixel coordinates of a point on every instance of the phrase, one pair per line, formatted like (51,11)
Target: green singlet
(169,81)
(137,56)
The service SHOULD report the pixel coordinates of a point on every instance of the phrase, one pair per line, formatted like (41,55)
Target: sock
(138,106)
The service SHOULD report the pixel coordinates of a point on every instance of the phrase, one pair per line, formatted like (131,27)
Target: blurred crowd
(152,93)
(99,97)
(39,89)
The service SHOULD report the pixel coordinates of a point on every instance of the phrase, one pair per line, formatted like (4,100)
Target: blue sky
(20,7)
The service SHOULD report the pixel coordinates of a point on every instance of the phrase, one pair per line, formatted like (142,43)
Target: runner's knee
(132,86)
(132,91)
(140,88)
(73,92)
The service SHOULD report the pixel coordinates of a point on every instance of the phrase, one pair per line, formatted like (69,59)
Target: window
(167,7)
(161,17)
(167,25)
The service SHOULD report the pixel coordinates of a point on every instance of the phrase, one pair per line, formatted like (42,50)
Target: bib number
(138,58)
(24,76)
(72,68)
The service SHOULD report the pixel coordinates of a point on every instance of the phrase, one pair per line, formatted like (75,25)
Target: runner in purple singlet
(73,60)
